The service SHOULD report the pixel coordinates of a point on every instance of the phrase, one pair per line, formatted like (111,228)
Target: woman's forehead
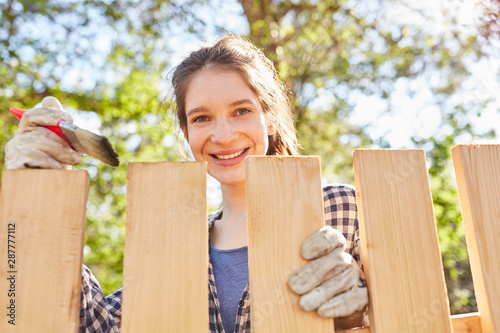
(218,86)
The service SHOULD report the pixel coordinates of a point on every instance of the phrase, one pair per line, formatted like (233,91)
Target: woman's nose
(224,133)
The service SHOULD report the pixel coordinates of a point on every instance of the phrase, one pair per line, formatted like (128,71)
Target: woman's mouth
(229,156)
(226,160)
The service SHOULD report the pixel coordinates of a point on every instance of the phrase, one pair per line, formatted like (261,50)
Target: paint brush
(81,140)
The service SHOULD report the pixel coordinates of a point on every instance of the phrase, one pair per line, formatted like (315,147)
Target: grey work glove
(332,283)
(34,146)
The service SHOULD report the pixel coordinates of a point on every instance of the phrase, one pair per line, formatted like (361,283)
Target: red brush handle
(18,113)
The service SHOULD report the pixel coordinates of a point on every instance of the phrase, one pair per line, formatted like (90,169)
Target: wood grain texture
(477,169)
(466,323)
(45,210)
(399,243)
(166,248)
(284,207)
(355,330)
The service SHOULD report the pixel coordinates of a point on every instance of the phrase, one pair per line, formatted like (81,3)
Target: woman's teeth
(227,157)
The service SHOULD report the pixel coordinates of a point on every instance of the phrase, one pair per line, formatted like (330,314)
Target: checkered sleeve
(342,214)
(98,314)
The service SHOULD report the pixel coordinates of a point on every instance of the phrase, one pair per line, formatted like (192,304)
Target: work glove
(34,146)
(332,283)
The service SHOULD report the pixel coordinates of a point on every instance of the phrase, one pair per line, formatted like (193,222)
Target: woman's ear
(271,128)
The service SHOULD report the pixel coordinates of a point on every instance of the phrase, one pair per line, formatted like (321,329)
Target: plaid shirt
(99,314)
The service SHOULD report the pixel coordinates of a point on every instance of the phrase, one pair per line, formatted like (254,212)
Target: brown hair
(239,55)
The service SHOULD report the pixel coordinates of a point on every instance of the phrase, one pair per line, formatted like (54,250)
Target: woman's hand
(332,283)
(34,146)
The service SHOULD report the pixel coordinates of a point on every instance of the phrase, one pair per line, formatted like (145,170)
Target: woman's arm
(332,283)
(98,314)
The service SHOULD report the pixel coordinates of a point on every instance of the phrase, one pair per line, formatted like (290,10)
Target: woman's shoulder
(341,212)
(332,191)
(340,197)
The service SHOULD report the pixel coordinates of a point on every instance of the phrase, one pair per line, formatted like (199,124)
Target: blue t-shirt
(231,278)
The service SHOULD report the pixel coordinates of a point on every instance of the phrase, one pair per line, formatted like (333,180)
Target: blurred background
(364,74)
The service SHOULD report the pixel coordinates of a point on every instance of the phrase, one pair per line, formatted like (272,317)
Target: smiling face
(225,123)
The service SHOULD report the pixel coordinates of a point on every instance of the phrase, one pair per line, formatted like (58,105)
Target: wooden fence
(166,259)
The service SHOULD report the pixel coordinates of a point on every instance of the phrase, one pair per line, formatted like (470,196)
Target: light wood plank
(284,207)
(466,323)
(42,216)
(477,169)
(399,243)
(166,248)
(355,330)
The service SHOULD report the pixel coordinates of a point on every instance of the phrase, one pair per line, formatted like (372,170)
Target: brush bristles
(97,146)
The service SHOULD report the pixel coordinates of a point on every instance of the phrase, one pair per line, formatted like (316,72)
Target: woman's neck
(234,200)
(230,231)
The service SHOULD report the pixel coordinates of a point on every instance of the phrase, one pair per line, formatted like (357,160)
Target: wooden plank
(165,279)
(466,323)
(284,207)
(42,225)
(355,330)
(477,169)
(399,243)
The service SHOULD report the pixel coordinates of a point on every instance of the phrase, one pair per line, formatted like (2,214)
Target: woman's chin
(229,178)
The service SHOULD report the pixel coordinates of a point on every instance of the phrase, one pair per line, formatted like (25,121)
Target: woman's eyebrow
(197,109)
(241,101)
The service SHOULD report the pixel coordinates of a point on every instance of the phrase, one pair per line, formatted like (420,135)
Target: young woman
(230,104)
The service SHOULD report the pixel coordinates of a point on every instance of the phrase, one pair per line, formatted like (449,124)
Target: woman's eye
(200,119)
(243,111)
